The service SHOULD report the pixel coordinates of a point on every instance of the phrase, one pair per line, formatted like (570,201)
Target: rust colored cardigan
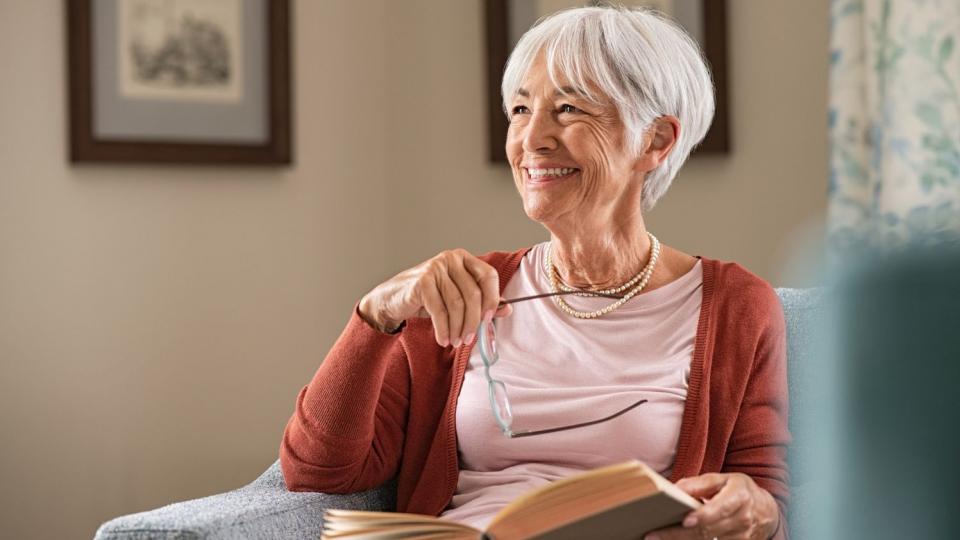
(384,405)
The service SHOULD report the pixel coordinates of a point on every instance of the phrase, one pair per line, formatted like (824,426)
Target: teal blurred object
(897,406)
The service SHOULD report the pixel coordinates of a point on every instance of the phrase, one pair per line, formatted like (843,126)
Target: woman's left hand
(737,508)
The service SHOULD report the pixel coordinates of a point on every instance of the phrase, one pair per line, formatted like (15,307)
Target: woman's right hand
(455,289)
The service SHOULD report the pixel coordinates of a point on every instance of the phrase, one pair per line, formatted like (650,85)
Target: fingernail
(445,342)
(651,537)
(488,316)
(691,521)
(456,342)
(469,338)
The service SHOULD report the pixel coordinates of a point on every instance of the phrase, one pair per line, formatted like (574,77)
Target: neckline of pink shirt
(644,300)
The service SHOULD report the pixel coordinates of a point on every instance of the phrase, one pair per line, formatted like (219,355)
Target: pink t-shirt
(560,370)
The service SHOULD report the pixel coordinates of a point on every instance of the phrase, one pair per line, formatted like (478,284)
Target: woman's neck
(591,260)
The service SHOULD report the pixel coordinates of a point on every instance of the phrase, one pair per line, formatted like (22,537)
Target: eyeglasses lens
(488,343)
(501,405)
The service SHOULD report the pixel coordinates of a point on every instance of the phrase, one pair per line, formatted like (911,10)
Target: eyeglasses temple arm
(515,434)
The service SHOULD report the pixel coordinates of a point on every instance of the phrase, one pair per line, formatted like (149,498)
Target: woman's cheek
(593,154)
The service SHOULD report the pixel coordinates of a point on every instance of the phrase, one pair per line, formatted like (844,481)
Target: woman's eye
(567,108)
(519,109)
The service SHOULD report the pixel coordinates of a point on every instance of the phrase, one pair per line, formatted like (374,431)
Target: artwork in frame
(179,81)
(507,20)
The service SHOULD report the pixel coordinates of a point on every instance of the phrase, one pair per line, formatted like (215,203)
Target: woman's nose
(541,133)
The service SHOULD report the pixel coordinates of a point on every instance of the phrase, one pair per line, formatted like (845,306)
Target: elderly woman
(605,104)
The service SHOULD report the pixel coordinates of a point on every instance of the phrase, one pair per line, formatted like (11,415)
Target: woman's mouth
(541,176)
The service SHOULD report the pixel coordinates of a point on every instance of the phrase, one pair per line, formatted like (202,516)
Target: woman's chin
(544,200)
(540,210)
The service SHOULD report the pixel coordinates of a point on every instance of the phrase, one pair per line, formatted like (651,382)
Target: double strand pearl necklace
(638,283)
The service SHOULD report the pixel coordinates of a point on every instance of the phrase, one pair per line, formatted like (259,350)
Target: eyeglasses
(497,390)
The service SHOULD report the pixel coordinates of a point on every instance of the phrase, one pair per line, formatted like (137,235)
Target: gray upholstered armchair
(265,509)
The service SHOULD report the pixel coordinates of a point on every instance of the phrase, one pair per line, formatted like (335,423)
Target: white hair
(642,61)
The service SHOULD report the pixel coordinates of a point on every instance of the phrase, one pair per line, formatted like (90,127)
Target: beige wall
(157,322)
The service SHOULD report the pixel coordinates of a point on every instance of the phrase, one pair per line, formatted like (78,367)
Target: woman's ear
(658,142)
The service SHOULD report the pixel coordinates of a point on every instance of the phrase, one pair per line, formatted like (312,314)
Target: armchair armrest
(262,509)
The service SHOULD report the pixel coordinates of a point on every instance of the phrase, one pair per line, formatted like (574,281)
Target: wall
(157,322)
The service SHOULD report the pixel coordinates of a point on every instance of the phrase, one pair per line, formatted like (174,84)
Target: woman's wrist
(374,317)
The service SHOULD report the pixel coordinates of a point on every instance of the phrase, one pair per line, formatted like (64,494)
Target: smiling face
(569,156)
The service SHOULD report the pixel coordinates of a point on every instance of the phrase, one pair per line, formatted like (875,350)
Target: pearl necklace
(643,277)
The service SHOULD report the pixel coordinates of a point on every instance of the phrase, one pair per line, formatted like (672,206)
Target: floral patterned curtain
(894,122)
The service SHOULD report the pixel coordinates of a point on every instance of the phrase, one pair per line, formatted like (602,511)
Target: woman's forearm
(346,431)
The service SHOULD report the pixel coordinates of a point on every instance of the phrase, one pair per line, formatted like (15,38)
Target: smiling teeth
(540,173)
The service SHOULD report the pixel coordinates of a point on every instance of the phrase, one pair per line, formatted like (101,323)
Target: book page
(572,483)
(592,495)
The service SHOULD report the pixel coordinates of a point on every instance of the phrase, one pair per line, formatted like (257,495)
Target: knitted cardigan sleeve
(758,443)
(347,431)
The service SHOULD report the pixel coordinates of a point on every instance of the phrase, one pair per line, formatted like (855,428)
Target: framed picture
(179,81)
(507,20)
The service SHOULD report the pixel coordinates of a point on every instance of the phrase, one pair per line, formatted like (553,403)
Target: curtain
(894,123)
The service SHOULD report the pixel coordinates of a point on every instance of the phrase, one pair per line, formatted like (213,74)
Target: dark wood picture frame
(717,140)
(86,147)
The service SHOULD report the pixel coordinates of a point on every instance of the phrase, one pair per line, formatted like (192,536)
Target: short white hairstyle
(641,60)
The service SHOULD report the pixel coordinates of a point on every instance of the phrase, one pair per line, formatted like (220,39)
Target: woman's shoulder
(734,277)
(735,288)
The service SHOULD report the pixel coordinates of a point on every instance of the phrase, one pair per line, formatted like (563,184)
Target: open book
(626,500)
